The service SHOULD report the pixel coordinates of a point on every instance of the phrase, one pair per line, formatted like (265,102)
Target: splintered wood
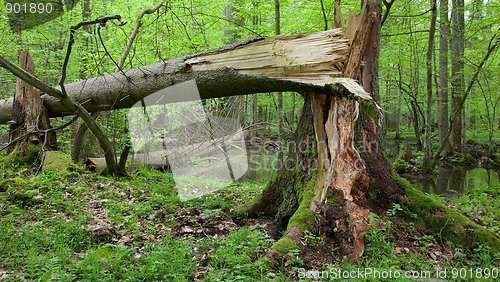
(313,58)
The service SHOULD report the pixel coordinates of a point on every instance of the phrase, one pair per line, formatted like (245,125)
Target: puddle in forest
(451,181)
(448,181)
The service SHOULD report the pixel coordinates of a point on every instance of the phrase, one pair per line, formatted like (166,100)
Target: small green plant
(394,209)
(311,239)
(483,252)
(210,213)
(378,237)
(427,242)
(296,261)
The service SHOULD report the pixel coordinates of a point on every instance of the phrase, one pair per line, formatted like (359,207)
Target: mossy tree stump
(340,176)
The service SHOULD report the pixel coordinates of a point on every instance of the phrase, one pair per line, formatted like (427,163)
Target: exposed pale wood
(346,170)
(352,23)
(318,107)
(310,58)
(339,19)
(6,110)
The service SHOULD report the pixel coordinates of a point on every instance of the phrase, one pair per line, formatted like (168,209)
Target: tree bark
(279,107)
(338,196)
(28,114)
(280,63)
(457,70)
(444,33)
(426,166)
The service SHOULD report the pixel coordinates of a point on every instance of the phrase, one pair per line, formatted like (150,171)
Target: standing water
(455,180)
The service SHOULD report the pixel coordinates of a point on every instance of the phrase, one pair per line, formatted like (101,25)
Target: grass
(79,226)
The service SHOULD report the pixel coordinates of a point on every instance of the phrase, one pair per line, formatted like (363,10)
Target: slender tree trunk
(426,167)
(277,26)
(457,70)
(444,30)
(254,97)
(232,35)
(86,12)
(82,142)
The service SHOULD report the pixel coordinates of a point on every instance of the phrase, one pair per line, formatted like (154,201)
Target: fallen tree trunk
(301,63)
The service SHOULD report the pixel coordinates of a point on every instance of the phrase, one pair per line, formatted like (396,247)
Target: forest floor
(74,225)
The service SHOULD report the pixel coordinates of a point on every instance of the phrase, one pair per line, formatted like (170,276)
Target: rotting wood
(28,114)
(341,166)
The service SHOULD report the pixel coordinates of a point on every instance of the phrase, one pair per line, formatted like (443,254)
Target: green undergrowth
(64,225)
(482,205)
(74,225)
(444,222)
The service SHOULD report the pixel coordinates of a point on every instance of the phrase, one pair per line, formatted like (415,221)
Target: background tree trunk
(82,142)
(426,166)
(444,34)
(457,70)
(279,108)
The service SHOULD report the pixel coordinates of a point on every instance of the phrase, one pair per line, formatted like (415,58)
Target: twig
(441,231)
(324,14)
(5,245)
(39,131)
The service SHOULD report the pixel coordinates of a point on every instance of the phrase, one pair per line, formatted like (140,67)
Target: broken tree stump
(29,116)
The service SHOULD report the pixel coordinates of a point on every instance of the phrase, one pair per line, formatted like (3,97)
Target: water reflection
(455,180)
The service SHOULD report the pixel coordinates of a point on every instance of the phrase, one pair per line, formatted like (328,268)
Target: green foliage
(401,166)
(48,229)
(434,215)
(464,159)
(395,208)
(481,204)
(312,239)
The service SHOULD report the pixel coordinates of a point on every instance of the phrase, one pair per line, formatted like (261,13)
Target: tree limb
(388,6)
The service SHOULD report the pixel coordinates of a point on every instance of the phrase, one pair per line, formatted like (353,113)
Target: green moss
(239,213)
(285,245)
(56,161)
(257,201)
(443,221)
(29,156)
(303,216)
(401,165)
(332,199)
(465,159)
(265,264)
(20,191)
(13,183)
